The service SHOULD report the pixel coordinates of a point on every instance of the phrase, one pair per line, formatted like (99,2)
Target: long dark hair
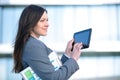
(28,19)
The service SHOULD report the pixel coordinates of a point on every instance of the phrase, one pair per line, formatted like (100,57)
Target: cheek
(38,27)
(37,30)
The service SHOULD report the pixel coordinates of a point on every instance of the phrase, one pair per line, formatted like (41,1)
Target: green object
(29,75)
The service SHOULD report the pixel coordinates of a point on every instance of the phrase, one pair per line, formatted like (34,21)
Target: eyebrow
(43,18)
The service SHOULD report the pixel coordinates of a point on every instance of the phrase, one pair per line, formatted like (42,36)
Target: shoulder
(32,42)
(36,47)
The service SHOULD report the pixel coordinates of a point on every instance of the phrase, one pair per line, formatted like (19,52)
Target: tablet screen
(84,37)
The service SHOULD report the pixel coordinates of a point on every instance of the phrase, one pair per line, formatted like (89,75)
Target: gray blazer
(35,55)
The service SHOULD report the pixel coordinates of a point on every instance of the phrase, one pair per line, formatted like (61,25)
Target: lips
(44,28)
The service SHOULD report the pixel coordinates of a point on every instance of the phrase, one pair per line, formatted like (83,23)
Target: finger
(71,41)
(80,45)
(76,45)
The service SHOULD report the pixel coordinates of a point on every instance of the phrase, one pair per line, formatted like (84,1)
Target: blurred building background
(99,62)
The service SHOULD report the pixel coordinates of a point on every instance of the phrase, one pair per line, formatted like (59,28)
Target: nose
(47,24)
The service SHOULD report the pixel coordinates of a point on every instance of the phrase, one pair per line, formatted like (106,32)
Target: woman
(29,51)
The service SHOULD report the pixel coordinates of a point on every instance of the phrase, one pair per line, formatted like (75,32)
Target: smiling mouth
(45,29)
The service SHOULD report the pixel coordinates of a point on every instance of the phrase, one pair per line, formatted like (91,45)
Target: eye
(42,20)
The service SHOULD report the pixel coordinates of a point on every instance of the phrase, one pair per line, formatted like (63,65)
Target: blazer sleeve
(64,59)
(38,60)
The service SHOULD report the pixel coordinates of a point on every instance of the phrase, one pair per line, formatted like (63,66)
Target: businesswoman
(30,51)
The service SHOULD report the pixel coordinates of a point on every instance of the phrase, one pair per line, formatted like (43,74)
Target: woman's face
(41,27)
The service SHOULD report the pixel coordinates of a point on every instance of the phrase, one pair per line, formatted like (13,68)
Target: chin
(44,35)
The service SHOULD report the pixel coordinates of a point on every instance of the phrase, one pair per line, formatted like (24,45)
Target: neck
(34,35)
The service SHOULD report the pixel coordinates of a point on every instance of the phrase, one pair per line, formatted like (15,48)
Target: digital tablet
(83,36)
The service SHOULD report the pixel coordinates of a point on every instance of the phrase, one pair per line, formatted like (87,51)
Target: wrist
(67,55)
